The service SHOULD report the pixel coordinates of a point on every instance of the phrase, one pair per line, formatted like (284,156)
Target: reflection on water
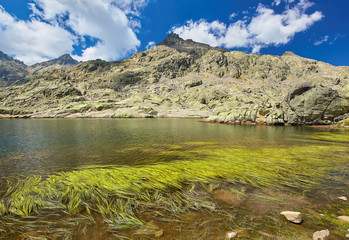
(48,145)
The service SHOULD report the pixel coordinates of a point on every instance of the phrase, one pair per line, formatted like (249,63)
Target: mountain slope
(11,70)
(181,78)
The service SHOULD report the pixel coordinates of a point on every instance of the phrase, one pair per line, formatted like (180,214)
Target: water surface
(45,146)
(192,180)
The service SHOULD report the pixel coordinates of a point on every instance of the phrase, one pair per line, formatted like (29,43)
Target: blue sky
(38,30)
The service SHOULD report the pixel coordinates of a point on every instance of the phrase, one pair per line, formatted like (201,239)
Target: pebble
(343,198)
(294,217)
(230,235)
(321,235)
(344,218)
(159,233)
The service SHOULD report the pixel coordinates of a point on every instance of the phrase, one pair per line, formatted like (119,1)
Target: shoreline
(241,123)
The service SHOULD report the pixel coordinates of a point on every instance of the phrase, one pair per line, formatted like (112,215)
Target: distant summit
(14,71)
(189,46)
(63,62)
(65,59)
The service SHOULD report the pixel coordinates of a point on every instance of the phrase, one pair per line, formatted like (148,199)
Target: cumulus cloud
(56,26)
(266,28)
(32,41)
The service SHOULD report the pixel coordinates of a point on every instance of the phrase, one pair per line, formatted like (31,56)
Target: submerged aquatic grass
(117,193)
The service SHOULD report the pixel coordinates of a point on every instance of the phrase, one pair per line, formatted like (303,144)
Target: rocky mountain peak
(289,53)
(195,49)
(171,40)
(66,59)
(62,62)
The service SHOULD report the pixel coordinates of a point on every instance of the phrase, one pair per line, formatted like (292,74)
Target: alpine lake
(169,179)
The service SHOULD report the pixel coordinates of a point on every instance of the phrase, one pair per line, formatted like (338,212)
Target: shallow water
(262,170)
(48,145)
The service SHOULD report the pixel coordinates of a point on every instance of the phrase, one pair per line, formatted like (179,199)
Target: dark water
(48,145)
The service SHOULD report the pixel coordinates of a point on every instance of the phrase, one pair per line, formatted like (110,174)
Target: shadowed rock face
(11,70)
(182,78)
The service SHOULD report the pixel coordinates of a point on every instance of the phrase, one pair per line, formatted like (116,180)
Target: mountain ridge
(14,71)
(62,62)
(182,78)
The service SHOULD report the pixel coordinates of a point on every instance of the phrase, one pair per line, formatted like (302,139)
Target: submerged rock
(321,235)
(293,217)
(343,218)
(343,198)
(230,235)
(150,229)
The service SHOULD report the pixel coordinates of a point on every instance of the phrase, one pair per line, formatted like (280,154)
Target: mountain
(183,78)
(63,62)
(11,70)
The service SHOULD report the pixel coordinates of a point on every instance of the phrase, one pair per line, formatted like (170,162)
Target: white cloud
(322,40)
(266,28)
(32,41)
(256,49)
(5,18)
(150,45)
(55,26)
(276,2)
(202,31)
(231,16)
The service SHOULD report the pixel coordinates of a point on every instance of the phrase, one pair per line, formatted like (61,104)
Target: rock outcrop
(316,105)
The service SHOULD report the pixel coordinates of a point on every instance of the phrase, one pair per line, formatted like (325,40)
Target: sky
(39,30)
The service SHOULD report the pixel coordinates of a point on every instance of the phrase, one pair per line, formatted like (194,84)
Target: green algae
(330,136)
(119,193)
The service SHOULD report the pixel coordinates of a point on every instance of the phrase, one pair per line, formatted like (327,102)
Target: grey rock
(294,217)
(277,116)
(321,235)
(343,218)
(318,105)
